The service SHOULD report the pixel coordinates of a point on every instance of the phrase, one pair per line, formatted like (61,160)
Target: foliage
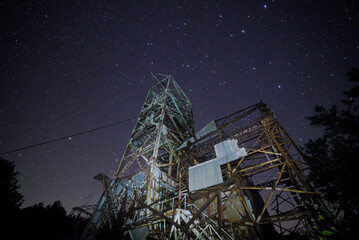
(10,197)
(45,222)
(335,166)
(34,222)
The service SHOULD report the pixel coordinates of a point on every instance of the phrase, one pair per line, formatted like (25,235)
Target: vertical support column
(219,211)
(170,165)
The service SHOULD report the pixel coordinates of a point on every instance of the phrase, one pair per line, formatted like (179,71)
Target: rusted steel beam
(270,194)
(160,214)
(289,161)
(128,165)
(261,170)
(229,119)
(228,197)
(278,189)
(236,187)
(259,165)
(292,217)
(158,200)
(296,191)
(204,206)
(219,211)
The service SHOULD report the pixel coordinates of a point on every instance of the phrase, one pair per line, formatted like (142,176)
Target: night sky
(71,66)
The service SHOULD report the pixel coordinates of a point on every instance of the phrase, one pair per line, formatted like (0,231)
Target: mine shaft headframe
(164,123)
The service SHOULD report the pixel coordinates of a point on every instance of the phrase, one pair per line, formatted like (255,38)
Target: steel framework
(240,177)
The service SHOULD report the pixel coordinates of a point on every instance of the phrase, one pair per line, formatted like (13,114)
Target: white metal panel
(228,151)
(208,174)
(204,175)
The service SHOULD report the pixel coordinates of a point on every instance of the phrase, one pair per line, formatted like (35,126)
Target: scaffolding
(239,177)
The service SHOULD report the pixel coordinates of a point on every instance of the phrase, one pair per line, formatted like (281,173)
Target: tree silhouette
(10,197)
(334,161)
(44,222)
(34,222)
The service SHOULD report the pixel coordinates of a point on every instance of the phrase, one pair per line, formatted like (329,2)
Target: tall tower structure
(239,177)
(149,168)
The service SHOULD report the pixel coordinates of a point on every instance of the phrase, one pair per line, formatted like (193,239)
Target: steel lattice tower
(240,177)
(149,167)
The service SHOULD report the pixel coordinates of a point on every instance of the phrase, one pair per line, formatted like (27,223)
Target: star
(75,72)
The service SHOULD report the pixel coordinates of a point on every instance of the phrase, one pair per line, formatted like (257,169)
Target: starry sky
(71,66)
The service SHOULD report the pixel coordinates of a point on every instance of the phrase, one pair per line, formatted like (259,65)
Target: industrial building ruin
(239,177)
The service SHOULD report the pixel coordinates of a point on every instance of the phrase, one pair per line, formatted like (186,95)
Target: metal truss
(150,165)
(262,194)
(267,187)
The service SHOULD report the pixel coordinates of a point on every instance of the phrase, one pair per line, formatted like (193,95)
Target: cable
(69,136)
(88,198)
